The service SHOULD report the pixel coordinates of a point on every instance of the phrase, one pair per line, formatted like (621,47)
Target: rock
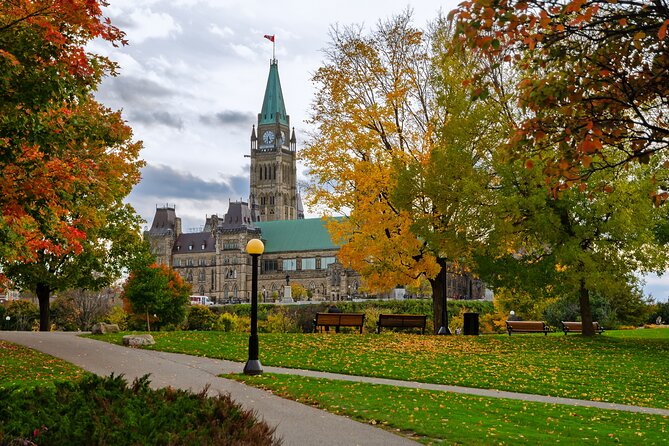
(138,340)
(102,328)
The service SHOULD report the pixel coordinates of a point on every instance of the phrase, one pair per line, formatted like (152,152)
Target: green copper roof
(295,235)
(273,103)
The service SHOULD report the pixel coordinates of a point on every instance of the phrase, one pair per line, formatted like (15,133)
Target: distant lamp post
(255,248)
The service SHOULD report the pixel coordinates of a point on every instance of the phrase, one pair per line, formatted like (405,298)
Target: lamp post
(254,247)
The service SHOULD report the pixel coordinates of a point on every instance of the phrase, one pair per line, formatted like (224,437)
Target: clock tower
(273,173)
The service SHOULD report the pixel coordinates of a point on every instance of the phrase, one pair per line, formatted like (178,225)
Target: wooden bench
(401,321)
(356,320)
(577,327)
(527,327)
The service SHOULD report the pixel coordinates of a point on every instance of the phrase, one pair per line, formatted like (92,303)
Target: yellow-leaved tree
(402,152)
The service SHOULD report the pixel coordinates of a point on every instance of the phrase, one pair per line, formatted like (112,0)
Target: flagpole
(273,47)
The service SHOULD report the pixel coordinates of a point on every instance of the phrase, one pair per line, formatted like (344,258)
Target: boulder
(138,340)
(102,328)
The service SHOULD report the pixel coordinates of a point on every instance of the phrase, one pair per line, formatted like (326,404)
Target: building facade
(297,250)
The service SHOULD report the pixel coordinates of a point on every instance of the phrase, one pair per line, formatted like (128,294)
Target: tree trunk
(439,299)
(586,311)
(43,294)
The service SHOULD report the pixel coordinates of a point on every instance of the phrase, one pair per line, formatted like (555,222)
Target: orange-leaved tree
(45,73)
(402,152)
(67,162)
(595,77)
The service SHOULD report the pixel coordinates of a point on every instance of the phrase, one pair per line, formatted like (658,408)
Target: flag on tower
(270,38)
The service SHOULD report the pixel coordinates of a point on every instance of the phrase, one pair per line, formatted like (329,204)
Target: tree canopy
(594,84)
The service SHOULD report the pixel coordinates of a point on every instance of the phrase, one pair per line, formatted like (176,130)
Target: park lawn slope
(605,368)
(433,417)
(26,368)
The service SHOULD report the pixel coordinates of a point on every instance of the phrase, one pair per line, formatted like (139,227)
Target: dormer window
(178,247)
(204,245)
(190,247)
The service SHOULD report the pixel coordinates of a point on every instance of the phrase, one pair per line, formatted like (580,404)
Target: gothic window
(201,290)
(189,276)
(201,276)
(275,172)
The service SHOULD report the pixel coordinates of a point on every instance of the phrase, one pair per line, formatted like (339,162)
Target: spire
(273,107)
(253,134)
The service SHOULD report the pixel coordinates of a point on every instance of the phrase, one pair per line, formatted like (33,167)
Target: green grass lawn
(623,369)
(23,367)
(447,418)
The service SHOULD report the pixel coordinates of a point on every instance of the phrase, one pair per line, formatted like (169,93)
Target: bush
(233,322)
(200,318)
(64,314)
(97,410)
(371,318)
(280,321)
(23,315)
(119,317)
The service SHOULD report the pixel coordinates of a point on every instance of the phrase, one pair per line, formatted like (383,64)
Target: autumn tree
(577,244)
(158,290)
(67,162)
(402,152)
(595,87)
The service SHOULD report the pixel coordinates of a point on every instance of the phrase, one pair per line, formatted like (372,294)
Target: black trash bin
(471,324)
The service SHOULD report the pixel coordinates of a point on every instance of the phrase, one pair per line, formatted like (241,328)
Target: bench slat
(527,327)
(401,321)
(356,320)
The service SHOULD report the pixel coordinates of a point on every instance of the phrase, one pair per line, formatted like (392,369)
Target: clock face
(268,137)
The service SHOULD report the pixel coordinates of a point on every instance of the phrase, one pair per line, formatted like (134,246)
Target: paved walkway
(296,423)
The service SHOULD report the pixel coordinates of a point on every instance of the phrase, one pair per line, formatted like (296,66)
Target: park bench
(527,327)
(356,320)
(577,327)
(401,321)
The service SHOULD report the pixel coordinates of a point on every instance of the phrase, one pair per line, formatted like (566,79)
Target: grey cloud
(160,117)
(164,182)
(130,89)
(228,118)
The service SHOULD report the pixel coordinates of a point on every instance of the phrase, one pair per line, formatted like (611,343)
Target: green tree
(157,290)
(577,243)
(595,84)
(403,152)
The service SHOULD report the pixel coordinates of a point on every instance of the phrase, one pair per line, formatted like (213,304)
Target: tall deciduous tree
(67,162)
(402,152)
(596,83)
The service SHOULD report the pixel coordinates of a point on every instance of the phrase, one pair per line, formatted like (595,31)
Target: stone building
(297,250)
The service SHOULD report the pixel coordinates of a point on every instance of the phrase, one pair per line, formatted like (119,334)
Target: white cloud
(224,32)
(244,51)
(152,25)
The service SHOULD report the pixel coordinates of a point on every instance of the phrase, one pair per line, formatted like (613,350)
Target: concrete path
(296,423)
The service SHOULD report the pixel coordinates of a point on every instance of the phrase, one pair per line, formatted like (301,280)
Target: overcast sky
(192,79)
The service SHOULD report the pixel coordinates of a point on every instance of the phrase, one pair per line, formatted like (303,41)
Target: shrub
(371,318)
(233,322)
(64,314)
(23,315)
(200,318)
(97,410)
(280,321)
(118,316)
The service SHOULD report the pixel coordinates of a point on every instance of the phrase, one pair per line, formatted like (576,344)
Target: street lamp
(444,330)
(254,247)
